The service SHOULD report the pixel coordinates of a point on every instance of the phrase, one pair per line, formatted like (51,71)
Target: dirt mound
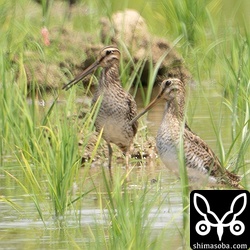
(130,29)
(69,52)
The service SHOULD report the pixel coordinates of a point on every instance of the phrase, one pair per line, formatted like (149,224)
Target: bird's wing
(132,112)
(200,156)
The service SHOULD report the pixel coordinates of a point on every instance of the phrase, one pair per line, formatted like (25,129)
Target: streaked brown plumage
(117,107)
(201,162)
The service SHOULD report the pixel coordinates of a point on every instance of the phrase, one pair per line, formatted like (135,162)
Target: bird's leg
(127,157)
(110,159)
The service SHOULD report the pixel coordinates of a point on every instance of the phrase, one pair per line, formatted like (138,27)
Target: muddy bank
(67,52)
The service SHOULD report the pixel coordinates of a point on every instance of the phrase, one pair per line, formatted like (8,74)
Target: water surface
(23,229)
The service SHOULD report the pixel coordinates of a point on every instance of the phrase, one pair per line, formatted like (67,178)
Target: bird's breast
(166,147)
(113,118)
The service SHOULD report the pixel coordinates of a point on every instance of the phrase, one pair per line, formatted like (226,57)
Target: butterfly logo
(203,227)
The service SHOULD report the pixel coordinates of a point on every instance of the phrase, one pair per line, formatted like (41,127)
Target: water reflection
(24,229)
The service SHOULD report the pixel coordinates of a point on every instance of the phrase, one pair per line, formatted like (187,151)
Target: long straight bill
(150,105)
(86,72)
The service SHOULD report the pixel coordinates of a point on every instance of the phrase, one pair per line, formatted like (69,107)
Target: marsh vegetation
(47,198)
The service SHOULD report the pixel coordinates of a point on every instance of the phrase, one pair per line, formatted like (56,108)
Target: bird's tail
(234,180)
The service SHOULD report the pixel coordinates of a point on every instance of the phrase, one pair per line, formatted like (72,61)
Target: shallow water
(25,230)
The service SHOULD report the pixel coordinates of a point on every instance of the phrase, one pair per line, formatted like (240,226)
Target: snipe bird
(201,162)
(117,107)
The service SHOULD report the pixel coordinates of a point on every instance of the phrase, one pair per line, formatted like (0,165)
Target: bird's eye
(168,82)
(108,52)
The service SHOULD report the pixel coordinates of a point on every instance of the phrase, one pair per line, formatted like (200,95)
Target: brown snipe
(201,162)
(117,107)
